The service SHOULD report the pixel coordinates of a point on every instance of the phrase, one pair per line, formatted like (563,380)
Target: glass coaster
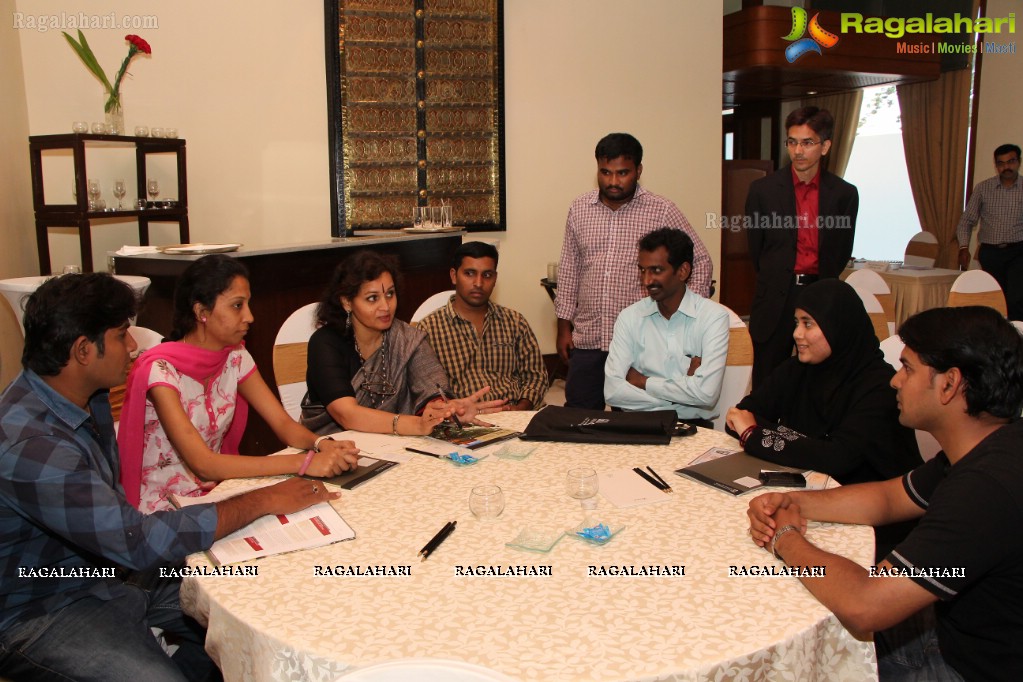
(516,449)
(536,540)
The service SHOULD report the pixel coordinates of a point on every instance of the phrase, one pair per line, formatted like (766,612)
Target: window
(877,166)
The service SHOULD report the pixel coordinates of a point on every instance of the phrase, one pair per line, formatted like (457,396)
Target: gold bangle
(394,424)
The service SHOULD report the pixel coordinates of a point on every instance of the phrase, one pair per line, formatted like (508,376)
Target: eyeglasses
(805,144)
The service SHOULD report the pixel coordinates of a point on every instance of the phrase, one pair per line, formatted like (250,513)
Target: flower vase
(115,120)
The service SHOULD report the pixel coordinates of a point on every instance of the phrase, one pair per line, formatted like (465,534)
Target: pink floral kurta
(210,411)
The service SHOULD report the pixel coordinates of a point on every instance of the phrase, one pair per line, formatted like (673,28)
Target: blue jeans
(909,652)
(93,639)
(584,385)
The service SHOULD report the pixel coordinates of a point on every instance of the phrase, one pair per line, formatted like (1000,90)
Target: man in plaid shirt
(73,604)
(998,204)
(597,275)
(480,343)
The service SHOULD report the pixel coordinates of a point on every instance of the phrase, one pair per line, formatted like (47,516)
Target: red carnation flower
(139,43)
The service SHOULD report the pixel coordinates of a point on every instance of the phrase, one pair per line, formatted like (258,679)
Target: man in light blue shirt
(669,349)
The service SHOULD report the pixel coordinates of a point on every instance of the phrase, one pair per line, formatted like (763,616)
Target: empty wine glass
(582,485)
(94,194)
(152,189)
(119,191)
(486,502)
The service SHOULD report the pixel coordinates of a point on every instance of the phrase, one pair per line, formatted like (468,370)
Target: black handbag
(574,425)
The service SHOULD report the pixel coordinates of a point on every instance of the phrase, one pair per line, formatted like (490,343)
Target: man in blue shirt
(73,604)
(668,350)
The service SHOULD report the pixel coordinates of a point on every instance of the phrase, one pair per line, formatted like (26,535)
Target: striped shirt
(506,357)
(61,506)
(999,210)
(597,276)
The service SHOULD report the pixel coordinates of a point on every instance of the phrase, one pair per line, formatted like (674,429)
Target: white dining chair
(922,250)
(868,280)
(290,352)
(892,349)
(429,305)
(876,313)
(976,287)
(145,338)
(738,368)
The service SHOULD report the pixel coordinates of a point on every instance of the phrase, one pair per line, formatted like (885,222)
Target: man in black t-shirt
(961,380)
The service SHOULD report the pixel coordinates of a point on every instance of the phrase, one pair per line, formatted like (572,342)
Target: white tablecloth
(287,624)
(916,290)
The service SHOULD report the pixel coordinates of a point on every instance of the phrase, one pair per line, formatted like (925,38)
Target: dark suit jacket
(771,230)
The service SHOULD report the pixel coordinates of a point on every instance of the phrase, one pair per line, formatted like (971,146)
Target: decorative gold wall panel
(415,90)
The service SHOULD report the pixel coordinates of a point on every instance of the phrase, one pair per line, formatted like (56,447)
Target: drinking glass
(119,191)
(80,126)
(419,215)
(152,189)
(486,502)
(436,221)
(581,484)
(445,216)
(141,131)
(156,132)
(94,194)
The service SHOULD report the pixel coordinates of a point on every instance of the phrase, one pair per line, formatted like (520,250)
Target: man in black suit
(800,223)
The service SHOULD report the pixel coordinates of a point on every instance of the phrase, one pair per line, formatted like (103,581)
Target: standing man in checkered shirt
(998,204)
(480,343)
(597,275)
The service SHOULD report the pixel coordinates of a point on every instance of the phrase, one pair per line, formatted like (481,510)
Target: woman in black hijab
(831,407)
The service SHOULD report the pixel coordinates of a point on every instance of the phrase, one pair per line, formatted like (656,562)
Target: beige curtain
(935,121)
(845,109)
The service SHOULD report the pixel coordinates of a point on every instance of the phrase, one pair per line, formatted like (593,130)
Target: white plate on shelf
(428,230)
(199,248)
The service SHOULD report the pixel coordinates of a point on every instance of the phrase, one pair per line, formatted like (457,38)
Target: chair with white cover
(738,368)
(976,287)
(922,250)
(892,349)
(145,339)
(425,670)
(429,305)
(291,348)
(868,280)
(876,313)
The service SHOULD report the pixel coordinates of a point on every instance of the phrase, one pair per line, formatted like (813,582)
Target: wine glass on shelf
(94,194)
(119,191)
(152,189)
(582,485)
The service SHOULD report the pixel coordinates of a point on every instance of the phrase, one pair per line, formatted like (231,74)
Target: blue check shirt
(62,507)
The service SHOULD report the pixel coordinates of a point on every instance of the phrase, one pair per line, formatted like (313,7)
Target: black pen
(423,452)
(440,537)
(658,477)
(444,397)
(649,480)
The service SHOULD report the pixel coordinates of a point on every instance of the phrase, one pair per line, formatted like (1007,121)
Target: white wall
(1001,97)
(18,255)
(244,83)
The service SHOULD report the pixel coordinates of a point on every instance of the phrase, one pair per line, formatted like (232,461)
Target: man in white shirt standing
(669,349)
(596,278)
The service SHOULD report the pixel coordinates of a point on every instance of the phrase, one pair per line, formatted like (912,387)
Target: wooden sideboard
(285,278)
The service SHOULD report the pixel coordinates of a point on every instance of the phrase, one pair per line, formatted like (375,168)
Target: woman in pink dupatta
(186,400)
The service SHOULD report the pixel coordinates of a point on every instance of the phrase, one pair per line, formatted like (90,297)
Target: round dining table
(680,592)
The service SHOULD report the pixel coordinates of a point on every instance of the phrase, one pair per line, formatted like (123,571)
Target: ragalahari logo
(818,36)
